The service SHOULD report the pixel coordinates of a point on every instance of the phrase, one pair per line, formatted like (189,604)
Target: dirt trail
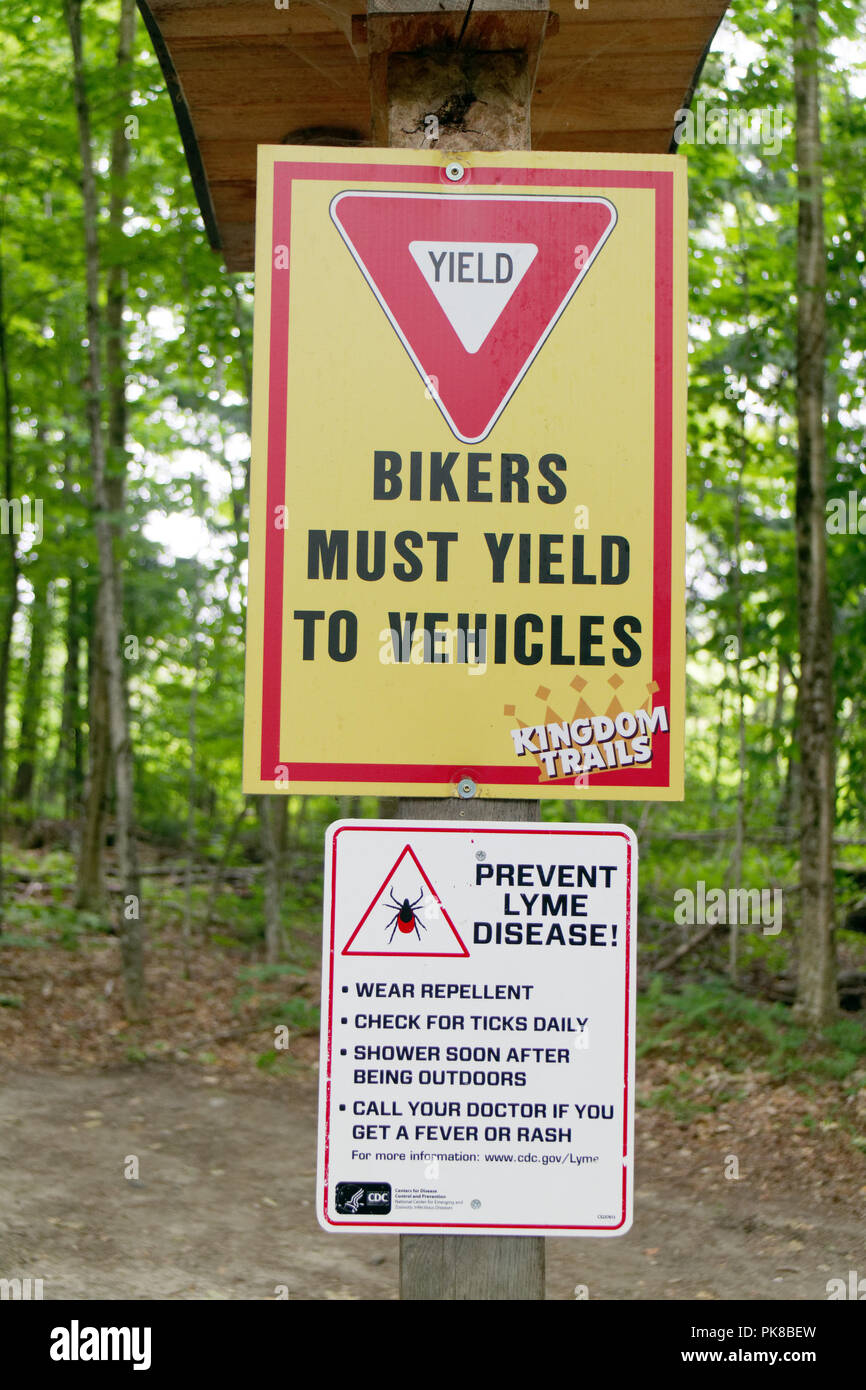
(224,1205)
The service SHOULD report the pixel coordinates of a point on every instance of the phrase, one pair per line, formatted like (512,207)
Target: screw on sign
(405,917)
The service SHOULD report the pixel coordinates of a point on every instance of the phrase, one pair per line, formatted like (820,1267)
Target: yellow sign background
(371,724)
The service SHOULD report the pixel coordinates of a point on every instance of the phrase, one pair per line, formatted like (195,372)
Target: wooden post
(473,69)
(471,1268)
(442,1268)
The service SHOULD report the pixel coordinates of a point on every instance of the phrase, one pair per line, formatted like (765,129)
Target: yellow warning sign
(468,511)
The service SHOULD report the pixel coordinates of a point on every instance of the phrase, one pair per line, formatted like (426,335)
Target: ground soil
(224,1204)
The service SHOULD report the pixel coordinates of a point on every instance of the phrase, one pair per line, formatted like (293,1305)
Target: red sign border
(438,776)
(407,827)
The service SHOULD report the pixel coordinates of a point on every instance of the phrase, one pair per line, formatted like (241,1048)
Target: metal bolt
(454,171)
(466,787)
(480,854)
(475,1204)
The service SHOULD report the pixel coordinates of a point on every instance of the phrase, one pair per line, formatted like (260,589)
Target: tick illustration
(405,918)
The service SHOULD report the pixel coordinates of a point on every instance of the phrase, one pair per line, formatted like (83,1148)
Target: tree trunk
(90,878)
(192,775)
(272,818)
(69,760)
(736,872)
(816,987)
(90,891)
(9,591)
(109,625)
(788,814)
(31,700)
(718,756)
(778,722)
(219,871)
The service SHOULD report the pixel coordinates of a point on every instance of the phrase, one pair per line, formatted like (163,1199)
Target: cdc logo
(361,1198)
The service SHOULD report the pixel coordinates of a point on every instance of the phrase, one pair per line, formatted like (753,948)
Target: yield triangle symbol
(406,917)
(472,308)
(473,284)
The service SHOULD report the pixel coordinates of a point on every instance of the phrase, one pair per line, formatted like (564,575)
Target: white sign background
(478,1114)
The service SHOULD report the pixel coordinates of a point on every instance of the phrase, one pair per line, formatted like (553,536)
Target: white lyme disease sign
(477,1068)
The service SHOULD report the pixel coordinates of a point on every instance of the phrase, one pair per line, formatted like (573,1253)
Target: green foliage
(299,1014)
(183,530)
(53,921)
(188,337)
(276,1063)
(711,1023)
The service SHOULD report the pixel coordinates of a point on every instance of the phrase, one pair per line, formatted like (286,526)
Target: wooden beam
(244,73)
(425,59)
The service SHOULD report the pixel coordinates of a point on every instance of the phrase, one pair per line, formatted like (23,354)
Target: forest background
(151,912)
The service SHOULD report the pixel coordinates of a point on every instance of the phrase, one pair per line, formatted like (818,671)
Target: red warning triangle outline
(346,951)
(476,387)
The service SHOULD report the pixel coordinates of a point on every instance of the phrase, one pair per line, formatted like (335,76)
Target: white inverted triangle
(473,306)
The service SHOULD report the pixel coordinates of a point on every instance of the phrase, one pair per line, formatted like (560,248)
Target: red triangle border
(413,348)
(408,955)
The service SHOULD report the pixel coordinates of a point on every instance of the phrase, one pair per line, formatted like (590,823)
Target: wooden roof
(244,73)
